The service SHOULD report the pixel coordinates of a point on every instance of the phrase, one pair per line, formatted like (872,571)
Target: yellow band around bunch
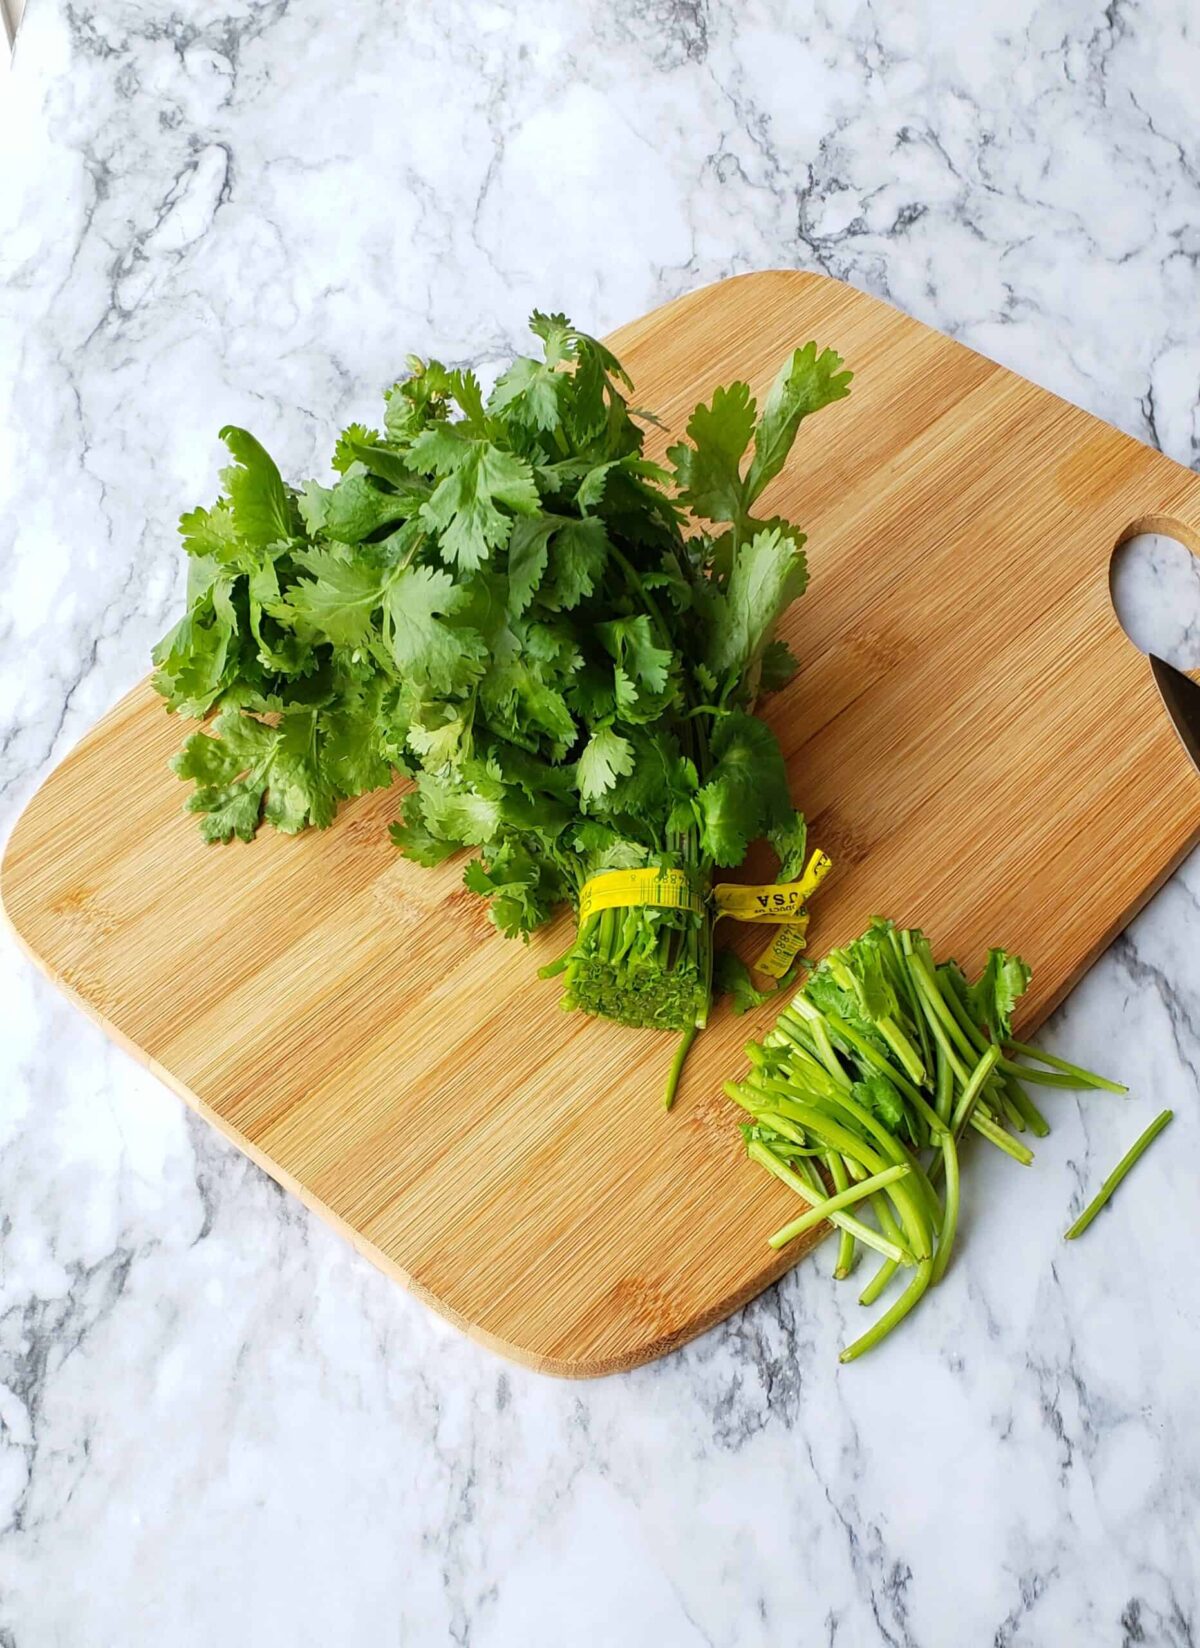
(781,904)
(618,889)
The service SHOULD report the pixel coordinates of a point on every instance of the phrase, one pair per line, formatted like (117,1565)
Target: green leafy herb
(1002,984)
(559,641)
(732,978)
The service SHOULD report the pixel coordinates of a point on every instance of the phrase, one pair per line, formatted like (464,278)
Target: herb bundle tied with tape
(560,641)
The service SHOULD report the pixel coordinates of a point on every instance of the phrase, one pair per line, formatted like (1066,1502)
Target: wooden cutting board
(976,743)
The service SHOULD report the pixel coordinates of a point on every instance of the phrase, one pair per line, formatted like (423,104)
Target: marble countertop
(217,1424)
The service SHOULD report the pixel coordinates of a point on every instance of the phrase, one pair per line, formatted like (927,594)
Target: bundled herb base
(561,642)
(635,966)
(872,1075)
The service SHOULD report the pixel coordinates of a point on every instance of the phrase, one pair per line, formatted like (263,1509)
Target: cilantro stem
(915,1224)
(647,600)
(999,1095)
(929,1116)
(862,1233)
(891,1229)
(1118,1173)
(815,1024)
(800,1182)
(924,1187)
(931,1000)
(878,1282)
(872,1056)
(1086,1078)
(889,1145)
(676,1068)
(1018,1100)
(1074,1081)
(880,1329)
(945,1086)
(972,1031)
(970,1093)
(996,1135)
(931,990)
(836,1137)
(815,1071)
(903,1049)
(798,1152)
(1038,1125)
(903,977)
(844,1263)
(866,1237)
(958,1069)
(950,1209)
(834,1204)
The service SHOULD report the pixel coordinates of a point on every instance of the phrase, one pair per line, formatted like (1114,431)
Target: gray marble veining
(217,1424)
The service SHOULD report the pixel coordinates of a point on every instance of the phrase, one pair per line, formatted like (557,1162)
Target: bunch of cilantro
(559,641)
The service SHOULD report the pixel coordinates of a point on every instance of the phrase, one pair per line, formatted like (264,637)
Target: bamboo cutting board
(976,743)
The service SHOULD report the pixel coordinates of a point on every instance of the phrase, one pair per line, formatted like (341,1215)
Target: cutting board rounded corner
(16,895)
(39,823)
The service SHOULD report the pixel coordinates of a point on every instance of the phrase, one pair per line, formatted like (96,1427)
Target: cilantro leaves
(248,761)
(808,382)
(495,596)
(259,506)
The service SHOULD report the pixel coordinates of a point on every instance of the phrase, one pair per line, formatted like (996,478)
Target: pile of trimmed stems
(861,1095)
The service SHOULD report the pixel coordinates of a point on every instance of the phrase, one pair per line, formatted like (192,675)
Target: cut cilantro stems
(834,1204)
(1034,1120)
(892,1231)
(950,1216)
(836,1081)
(1011,1094)
(970,1094)
(895,1314)
(1006,1110)
(1102,1196)
(996,1135)
(878,1283)
(809,1189)
(559,641)
(1046,1078)
(1085,1078)
(644,967)
(944,1093)
(844,1263)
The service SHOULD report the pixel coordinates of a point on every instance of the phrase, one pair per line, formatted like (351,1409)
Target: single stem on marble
(1135,1150)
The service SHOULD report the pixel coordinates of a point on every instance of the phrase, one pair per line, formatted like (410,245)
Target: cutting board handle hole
(1154,581)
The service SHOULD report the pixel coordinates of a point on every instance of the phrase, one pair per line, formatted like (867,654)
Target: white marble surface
(218,1424)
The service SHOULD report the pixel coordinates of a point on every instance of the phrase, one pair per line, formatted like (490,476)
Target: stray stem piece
(676,1070)
(1118,1173)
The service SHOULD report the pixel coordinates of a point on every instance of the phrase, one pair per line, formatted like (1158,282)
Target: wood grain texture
(975,741)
